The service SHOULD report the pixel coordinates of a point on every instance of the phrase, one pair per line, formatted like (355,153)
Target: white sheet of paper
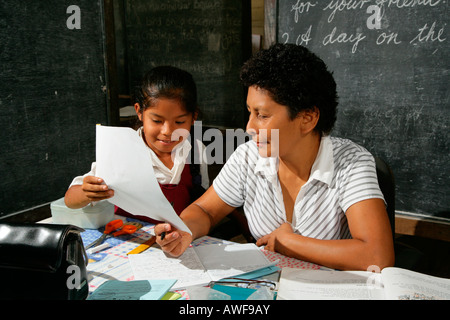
(155,264)
(124,163)
(228,260)
(199,265)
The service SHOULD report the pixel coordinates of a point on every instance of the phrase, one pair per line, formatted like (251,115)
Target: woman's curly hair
(296,78)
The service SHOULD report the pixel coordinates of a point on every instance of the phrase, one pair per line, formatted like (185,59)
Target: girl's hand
(95,189)
(174,241)
(272,240)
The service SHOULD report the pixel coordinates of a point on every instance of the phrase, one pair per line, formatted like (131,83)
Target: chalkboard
(52,94)
(209,38)
(391,63)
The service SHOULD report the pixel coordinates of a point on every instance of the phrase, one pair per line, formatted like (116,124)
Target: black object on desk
(42,262)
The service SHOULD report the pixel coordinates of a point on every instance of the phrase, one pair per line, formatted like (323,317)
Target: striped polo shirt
(343,173)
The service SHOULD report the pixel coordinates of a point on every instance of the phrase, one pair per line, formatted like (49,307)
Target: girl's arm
(92,189)
(371,243)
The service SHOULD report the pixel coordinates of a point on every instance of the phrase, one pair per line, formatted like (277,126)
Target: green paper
(132,290)
(235,293)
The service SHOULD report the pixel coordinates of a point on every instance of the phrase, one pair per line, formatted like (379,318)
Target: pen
(163,234)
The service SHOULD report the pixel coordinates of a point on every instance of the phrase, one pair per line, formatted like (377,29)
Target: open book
(199,265)
(390,284)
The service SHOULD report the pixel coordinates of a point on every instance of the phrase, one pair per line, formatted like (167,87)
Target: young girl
(165,102)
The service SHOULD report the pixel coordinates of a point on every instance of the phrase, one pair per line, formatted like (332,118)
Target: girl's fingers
(96,196)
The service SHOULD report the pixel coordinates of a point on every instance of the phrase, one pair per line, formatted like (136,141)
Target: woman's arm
(199,217)
(371,242)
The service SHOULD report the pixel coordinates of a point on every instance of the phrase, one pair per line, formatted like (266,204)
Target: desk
(112,263)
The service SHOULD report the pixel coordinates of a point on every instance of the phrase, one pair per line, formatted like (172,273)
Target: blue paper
(235,293)
(132,290)
(256,274)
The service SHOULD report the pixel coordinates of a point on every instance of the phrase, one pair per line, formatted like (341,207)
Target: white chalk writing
(382,22)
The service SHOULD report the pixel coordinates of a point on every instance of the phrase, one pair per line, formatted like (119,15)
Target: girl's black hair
(170,83)
(296,78)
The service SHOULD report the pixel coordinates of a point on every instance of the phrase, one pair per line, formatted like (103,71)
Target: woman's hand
(174,241)
(95,190)
(272,240)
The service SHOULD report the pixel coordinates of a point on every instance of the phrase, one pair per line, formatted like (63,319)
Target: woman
(305,194)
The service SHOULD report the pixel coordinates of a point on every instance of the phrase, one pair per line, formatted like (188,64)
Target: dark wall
(52,93)
(209,38)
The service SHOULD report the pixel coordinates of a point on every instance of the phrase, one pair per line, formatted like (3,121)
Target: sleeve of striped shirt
(359,181)
(229,183)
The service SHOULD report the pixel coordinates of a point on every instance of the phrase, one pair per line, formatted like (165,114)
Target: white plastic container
(89,217)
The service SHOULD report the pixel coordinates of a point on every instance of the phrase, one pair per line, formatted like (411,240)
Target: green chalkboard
(209,38)
(52,93)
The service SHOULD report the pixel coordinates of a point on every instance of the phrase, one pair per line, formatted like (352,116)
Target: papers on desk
(200,265)
(124,163)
